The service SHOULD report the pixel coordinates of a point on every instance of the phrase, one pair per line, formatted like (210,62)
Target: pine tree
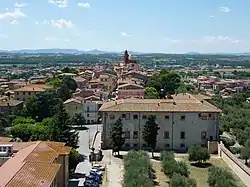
(118,138)
(61,129)
(150,133)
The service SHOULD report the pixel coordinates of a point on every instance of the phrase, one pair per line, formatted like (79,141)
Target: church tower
(126,57)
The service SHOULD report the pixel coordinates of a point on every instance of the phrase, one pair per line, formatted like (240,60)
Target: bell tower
(126,57)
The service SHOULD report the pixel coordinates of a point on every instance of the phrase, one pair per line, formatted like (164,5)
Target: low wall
(238,167)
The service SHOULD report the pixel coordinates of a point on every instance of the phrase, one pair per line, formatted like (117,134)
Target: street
(85,140)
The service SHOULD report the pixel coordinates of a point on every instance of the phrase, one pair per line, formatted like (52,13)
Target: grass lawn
(201,174)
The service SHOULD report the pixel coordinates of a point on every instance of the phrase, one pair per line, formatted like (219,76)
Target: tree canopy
(151,93)
(117,135)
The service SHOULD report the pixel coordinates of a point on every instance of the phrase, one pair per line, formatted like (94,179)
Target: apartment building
(27,91)
(130,90)
(34,164)
(184,121)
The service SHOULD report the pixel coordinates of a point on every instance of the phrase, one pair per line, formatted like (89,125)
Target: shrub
(198,154)
(179,180)
(220,177)
(227,142)
(171,166)
(138,170)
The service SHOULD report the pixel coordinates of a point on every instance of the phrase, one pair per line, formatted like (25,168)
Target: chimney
(158,104)
(202,101)
(174,103)
(116,103)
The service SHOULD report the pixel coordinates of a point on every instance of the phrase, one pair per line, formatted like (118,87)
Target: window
(183,117)
(29,93)
(209,115)
(23,93)
(17,93)
(166,135)
(87,108)
(127,117)
(123,115)
(135,145)
(92,121)
(144,145)
(199,115)
(88,121)
(17,99)
(167,145)
(87,114)
(76,107)
(166,117)
(112,116)
(127,134)
(135,134)
(135,116)
(203,135)
(182,145)
(144,117)
(211,138)
(4,149)
(182,135)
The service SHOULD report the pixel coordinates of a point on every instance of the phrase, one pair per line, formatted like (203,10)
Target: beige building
(108,82)
(184,121)
(34,164)
(24,93)
(73,106)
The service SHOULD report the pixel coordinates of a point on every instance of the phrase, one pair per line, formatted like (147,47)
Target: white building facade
(182,122)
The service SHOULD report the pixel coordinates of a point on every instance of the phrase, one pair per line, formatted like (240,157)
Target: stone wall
(235,164)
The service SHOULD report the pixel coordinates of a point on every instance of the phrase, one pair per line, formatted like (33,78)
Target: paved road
(85,139)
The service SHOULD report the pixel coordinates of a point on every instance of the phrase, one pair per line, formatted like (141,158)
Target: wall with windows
(178,131)
(90,112)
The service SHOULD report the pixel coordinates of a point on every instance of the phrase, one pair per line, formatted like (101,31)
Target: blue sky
(173,26)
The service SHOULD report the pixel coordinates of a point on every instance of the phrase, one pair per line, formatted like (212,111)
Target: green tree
(168,81)
(151,93)
(150,132)
(74,159)
(70,83)
(22,131)
(61,130)
(69,70)
(198,154)
(245,152)
(117,135)
(179,180)
(55,82)
(63,92)
(78,120)
(42,105)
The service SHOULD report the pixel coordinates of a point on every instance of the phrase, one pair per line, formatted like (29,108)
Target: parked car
(99,167)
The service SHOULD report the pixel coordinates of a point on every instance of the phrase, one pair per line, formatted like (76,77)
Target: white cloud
(211,17)
(59,3)
(14,22)
(225,9)
(173,41)
(124,34)
(55,39)
(83,5)
(223,39)
(62,23)
(37,23)
(19,5)
(17,13)
(6,9)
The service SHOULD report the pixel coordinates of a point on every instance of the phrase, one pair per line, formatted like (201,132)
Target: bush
(220,177)
(171,166)
(227,142)
(138,170)
(179,180)
(198,154)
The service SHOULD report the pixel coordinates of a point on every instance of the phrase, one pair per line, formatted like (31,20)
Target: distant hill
(59,51)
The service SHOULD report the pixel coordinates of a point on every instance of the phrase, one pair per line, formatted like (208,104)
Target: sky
(169,26)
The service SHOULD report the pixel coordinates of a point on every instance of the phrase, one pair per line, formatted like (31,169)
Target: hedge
(138,170)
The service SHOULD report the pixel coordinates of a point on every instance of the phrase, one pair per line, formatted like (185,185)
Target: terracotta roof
(42,153)
(159,105)
(10,103)
(35,174)
(73,100)
(33,88)
(5,139)
(131,86)
(59,147)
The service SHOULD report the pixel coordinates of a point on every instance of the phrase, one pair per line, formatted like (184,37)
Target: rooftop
(33,165)
(33,88)
(179,103)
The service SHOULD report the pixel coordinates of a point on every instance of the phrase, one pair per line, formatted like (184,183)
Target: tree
(74,159)
(179,180)
(63,92)
(245,152)
(168,81)
(151,93)
(150,133)
(78,120)
(70,83)
(55,82)
(117,135)
(198,154)
(61,130)
(42,105)
(22,131)
(69,70)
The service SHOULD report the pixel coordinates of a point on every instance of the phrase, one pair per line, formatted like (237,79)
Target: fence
(239,168)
